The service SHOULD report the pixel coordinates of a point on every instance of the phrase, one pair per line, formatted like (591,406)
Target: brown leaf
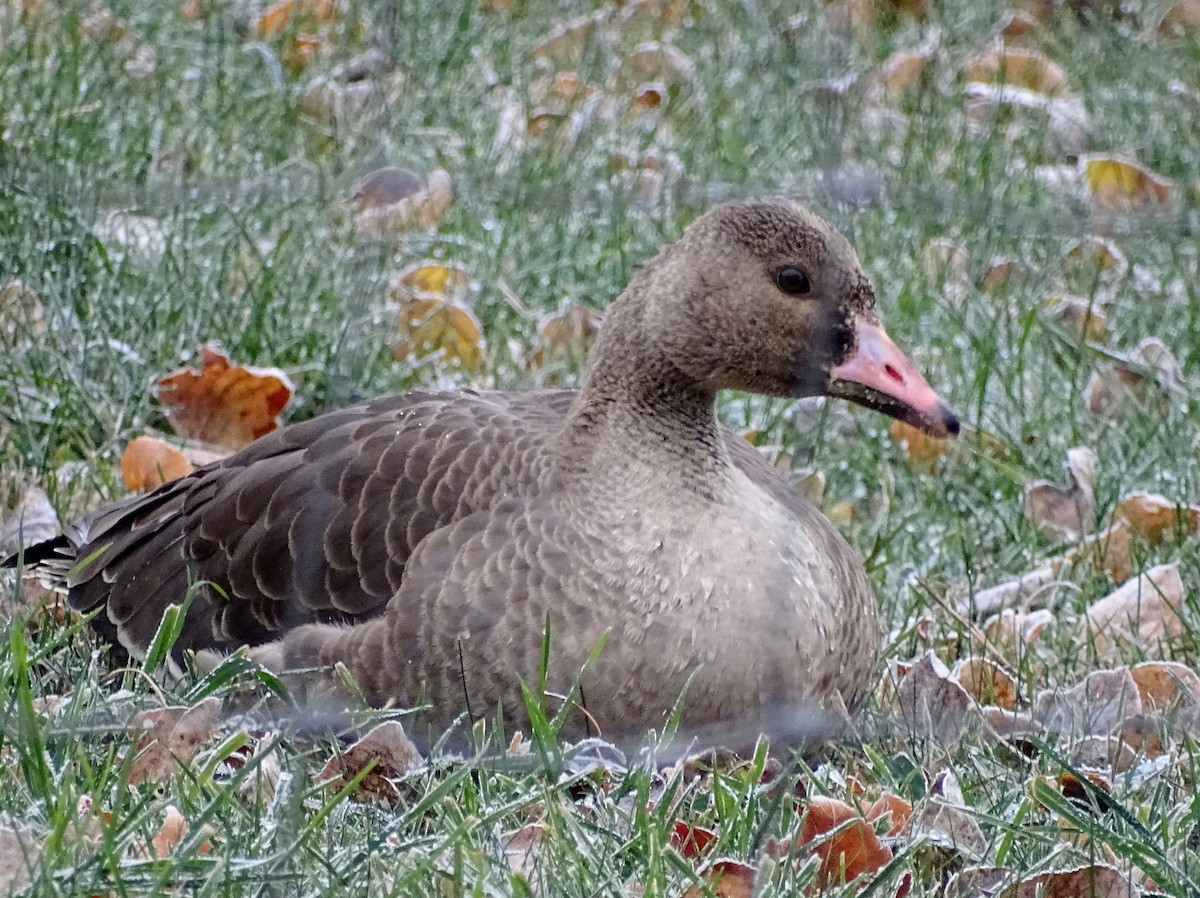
(944,819)
(692,841)
(20,852)
(379,219)
(1094,881)
(987,682)
(168,738)
(943,258)
(565,338)
(224,404)
(1118,184)
(1003,274)
(21,314)
(727,878)
(393,754)
(1095,254)
(149,462)
(1093,706)
(1152,517)
(1016,628)
(1016,25)
(1062,514)
(523,849)
(1018,67)
(902,71)
(843,839)
(1081,316)
(1145,380)
(1163,683)
(1143,733)
(930,704)
(1142,612)
(432,325)
(1180,19)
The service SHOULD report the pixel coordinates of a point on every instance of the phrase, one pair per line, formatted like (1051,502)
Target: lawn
(173,174)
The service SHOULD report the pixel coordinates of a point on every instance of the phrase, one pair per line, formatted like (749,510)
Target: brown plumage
(425,540)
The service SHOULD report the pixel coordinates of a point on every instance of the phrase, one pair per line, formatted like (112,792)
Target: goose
(427,541)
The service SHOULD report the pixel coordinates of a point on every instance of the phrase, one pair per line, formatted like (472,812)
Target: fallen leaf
(20,854)
(1082,316)
(931,705)
(1018,67)
(523,849)
(565,337)
(149,462)
(1143,733)
(1093,706)
(168,738)
(32,521)
(1162,684)
(1094,881)
(923,450)
(692,841)
(904,69)
(894,809)
(1003,273)
(378,218)
(387,186)
(1096,255)
(1142,612)
(726,878)
(21,314)
(450,281)
(278,18)
(945,820)
(650,96)
(224,404)
(1017,628)
(843,839)
(945,259)
(1061,514)
(1017,24)
(1108,753)
(1152,517)
(432,325)
(987,682)
(1180,19)
(1118,184)
(391,752)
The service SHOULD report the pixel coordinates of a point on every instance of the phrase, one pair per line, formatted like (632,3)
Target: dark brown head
(769,298)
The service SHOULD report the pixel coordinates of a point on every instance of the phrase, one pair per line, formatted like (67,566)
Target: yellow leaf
(1117,183)
(434,277)
(433,325)
(149,462)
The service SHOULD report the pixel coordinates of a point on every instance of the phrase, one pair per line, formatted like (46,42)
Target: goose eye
(792,280)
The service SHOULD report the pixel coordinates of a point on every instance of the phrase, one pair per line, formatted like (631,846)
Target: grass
(251,196)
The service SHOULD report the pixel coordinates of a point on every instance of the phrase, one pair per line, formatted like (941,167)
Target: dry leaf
(1018,67)
(1118,184)
(929,704)
(1180,19)
(563,43)
(1096,255)
(893,808)
(430,324)
(149,462)
(1017,628)
(1017,24)
(1003,273)
(651,96)
(1163,683)
(692,841)
(168,737)
(1152,516)
(1144,734)
(1095,881)
(523,849)
(20,853)
(21,314)
(450,281)
(1060,514)
(1093,706)
(844,841)
(278,18)
(945,259)
(987,682)
(923,450)
(1142,612)
(224,404)
(902,71)
(945,821)
(387,186)
(656,62)
(390,750)
(565,338)
(727,878)
(32,521)
(379,219)
(1081,316)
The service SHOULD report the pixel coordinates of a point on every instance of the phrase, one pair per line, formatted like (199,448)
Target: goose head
(769,298)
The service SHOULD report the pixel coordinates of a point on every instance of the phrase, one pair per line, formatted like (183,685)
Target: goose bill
(878,376)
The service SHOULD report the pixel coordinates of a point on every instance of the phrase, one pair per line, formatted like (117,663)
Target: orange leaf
(229,405)
(728,879)
(1160,683)
(1018,67)
(889,805)
(849,846)
(149,462)
(1153,517)
(275,19)
(692,841)
(923,450)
